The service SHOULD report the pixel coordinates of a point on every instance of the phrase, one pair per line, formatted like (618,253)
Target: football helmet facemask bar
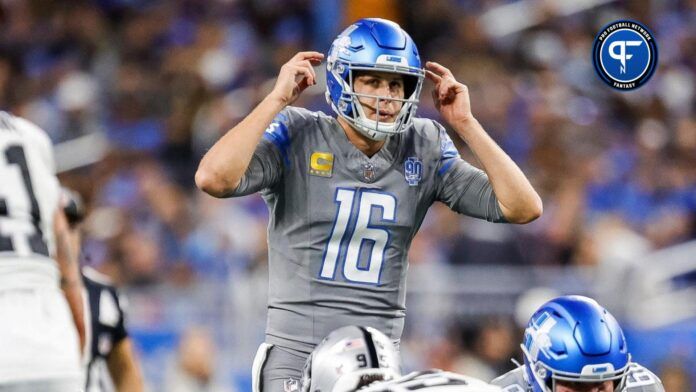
(373,45)
(573,338)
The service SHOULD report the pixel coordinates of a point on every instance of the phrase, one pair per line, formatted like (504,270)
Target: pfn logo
(621,55)
(625,55)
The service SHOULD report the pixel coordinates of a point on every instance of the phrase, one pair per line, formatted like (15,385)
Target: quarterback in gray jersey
(572,344)
(347,195)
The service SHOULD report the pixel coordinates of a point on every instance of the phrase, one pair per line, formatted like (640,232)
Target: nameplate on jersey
(321,164)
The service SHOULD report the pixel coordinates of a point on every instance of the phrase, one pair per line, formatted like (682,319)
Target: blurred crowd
(161,81)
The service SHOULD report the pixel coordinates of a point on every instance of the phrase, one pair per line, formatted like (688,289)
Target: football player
(39,339)
(109,359)
(347,194)
(363,359)
(349,359)
(433,381)
(572,344)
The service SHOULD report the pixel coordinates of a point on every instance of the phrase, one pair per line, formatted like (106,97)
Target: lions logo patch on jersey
(413,171)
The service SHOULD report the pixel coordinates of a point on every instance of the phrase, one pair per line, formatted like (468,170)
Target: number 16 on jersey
(351,241)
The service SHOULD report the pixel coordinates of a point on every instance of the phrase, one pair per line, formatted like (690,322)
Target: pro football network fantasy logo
(625,54)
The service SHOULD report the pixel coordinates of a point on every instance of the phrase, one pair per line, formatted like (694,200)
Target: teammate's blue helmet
(573,338)
(373,45)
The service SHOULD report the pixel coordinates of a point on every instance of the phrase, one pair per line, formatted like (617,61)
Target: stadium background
(133,92)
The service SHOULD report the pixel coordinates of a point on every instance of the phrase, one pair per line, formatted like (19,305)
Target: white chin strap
(372,128)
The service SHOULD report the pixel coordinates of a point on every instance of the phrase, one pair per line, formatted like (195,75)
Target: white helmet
(433,381)
(350,358)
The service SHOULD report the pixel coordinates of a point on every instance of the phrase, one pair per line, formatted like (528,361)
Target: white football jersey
(38,338)
(29,197)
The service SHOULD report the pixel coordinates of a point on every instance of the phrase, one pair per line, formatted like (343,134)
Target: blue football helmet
(573,338)
(373,45)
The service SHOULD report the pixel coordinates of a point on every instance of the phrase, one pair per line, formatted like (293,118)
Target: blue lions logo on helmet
(573,338)
(373,45)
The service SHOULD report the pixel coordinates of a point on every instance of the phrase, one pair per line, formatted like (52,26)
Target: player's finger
(436,98)
(303,84)
(445,88)
(438,69)
(316,61)
(303,73)
(310,55)
(306,64)
(432,76)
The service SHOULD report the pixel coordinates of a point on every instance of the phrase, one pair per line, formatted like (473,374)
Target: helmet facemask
(543,378)
(351,109)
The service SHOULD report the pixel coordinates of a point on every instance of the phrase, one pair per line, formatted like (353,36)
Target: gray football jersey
(341,223)
(639,379)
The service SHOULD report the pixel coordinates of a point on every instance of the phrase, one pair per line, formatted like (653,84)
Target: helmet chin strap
(368,127)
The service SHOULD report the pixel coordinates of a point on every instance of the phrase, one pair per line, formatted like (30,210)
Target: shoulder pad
(512,381)
(640,379)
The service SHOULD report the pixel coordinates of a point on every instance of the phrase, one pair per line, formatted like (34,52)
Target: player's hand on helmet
(451,98)
(295,76)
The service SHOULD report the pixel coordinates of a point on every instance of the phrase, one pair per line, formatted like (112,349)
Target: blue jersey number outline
(351,228)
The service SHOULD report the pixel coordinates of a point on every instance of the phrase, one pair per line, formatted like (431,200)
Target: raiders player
(433,380)
(363,359)
(347,194)
(572,344)
(350,358)
(109,360)
(39,339)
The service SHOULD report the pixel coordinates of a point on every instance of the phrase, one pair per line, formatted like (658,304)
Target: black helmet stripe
(370,347)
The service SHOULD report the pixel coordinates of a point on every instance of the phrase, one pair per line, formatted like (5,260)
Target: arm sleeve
(271,155)
(462,187)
